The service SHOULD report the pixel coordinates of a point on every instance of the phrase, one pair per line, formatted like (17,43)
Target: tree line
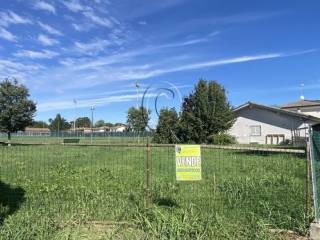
(204,117)
(61,124)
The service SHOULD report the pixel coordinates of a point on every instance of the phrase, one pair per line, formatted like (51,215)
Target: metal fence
(55,137)
(315,167)
(242,187)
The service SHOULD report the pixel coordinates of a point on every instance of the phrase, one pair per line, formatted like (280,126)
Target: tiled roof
(302,103)
(276,109)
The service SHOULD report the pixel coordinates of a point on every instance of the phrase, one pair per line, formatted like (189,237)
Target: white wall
(270,122)
(313,111)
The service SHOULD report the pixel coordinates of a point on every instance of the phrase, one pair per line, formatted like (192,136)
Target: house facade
(260,124)
(309,107)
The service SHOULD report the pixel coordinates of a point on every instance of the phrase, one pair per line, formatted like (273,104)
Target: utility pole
(92,109)
(75,115)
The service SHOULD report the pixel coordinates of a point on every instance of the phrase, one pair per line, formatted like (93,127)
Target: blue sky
(94,51)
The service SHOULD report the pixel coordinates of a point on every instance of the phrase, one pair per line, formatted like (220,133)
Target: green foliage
(99,123)
(16,109)
(221,139)
(59,123)
(138,119)
(205,111)
(167,128)
(39,124)
(108,124)
(83,122)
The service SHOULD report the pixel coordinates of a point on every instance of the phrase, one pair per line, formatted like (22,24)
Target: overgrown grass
(61,192)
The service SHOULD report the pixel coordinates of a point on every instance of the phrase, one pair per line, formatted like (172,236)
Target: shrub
(221,139)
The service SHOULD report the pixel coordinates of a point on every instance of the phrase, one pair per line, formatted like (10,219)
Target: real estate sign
(188,162)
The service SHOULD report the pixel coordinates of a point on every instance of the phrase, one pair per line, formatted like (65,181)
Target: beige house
(256,123)
(309,107)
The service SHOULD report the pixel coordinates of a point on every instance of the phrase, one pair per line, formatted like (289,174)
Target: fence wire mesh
(51,186)
(315,161)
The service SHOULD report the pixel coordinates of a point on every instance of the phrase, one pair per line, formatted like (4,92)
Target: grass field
(96,192)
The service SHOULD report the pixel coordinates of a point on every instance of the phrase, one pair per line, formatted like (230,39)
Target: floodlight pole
(75,114)
(92,109)
(137,88)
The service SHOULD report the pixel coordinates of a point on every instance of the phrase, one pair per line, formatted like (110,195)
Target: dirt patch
(100,230)
(287,235)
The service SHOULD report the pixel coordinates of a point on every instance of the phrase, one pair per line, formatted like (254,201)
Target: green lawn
(96,192)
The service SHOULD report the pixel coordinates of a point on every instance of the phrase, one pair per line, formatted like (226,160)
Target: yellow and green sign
(188,162)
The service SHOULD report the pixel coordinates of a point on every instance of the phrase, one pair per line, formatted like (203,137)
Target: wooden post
(147,177)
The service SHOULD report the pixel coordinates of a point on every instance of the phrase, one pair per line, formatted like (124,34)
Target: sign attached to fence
(188,162)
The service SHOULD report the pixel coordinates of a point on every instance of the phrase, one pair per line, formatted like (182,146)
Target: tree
(138,119)
(205,111)
(83,122)
(16,109)
(108,124)
(167,128)
(59,123)
(99,123)
(39,124)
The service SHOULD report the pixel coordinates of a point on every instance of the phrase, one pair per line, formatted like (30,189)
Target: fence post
(307,188)
(147,176)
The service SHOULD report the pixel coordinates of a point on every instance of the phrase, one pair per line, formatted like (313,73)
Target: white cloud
(47,41)
(49,29)
(88,12)
(74,6)
(7,18)
(68,104)
(92,47)
(81,27)
(36,54)
(7,35)
(45,6)
(142,22)
(105,22)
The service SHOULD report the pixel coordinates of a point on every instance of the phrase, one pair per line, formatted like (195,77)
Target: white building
(256,123)
(309,107)
(120,128)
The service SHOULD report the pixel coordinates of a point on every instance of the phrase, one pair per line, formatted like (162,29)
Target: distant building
(31,131)
(120,128)
(256,123)
(309,107)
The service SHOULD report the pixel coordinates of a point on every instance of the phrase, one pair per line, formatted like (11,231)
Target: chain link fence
(241,191)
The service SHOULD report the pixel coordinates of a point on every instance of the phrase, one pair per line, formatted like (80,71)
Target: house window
(255,130)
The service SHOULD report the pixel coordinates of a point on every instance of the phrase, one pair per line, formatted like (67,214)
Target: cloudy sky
(78,53)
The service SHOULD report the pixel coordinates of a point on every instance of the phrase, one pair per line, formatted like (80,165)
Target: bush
(221,139)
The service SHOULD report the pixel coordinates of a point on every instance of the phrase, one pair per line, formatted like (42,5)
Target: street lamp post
(92,109)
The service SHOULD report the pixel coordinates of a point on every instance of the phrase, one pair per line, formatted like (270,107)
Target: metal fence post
(307,188)
(147,176)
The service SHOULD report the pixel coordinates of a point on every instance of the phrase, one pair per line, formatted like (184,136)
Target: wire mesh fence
(57,137)
(59,184)
(315,166)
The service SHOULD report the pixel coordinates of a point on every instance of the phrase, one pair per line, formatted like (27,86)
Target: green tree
(167,127)
(59,123)
(205,111)
(99,123)
(83,122)
(16,109)
(138,119)
(108,124)
(39,124)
